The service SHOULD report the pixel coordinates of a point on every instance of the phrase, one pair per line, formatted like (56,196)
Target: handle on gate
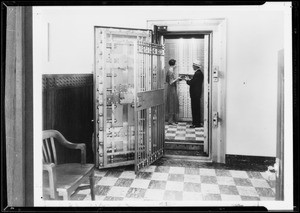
(137,105)
(138,102)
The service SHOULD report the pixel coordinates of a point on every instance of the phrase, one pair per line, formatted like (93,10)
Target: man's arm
(196,78)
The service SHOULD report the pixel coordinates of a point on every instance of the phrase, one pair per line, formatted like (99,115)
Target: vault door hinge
(157,31)
(216,74)
(215,119)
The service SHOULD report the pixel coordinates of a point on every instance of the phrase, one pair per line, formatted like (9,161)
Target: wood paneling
(14,113)
(68,108)
(18,106)
(28,106)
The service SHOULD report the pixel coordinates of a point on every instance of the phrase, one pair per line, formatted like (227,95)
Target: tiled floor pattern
(181,131)
(184,141)
(169,183)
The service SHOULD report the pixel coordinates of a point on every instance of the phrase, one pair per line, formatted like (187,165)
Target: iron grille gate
(149,103)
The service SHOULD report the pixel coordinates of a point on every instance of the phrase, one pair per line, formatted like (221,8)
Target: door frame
(217,29)
(165,35)
(279,165)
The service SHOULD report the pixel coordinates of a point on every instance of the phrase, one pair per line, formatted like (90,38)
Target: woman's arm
(174,81)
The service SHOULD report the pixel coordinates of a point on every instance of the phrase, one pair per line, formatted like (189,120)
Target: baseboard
(246,159)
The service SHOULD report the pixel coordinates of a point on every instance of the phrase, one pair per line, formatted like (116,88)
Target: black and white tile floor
(181,131)
(181,180)
(177,183)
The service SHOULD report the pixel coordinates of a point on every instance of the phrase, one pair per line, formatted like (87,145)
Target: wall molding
(61,81)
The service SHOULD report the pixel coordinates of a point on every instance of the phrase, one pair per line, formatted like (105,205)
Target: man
(195,93)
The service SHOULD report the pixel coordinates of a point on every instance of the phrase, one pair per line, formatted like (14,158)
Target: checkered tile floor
(168,183)
(181,131)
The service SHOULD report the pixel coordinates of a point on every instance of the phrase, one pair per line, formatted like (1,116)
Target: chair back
(49,151)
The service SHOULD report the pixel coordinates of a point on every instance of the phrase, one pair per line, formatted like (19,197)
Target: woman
(172,103)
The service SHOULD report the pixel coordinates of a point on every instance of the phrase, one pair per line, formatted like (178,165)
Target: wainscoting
(68,108)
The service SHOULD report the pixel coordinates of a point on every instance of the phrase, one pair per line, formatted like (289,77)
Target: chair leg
(56,195)
(92,185)
(66,195)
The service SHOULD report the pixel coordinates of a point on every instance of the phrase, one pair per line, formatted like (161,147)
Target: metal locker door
(149,103)
(114,95)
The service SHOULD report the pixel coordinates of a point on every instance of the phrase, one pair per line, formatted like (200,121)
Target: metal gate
(149,104)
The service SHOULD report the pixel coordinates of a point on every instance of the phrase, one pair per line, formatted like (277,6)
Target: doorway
(180,139)
(129,95)
(214,30)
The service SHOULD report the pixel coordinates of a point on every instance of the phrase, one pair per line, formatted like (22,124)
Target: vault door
(149,103)
(114,95)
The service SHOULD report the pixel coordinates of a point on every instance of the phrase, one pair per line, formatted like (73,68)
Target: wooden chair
(64,179)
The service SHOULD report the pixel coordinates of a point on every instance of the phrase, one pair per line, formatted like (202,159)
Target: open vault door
(128,98)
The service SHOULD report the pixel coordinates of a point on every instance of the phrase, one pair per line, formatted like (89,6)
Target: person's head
(196,65)
(172,62)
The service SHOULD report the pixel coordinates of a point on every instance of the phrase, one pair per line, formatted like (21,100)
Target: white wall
(254,35)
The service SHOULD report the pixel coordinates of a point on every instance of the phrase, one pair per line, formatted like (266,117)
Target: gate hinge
(157,31)
(162,28)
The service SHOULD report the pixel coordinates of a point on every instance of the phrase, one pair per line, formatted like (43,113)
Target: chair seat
(69,175)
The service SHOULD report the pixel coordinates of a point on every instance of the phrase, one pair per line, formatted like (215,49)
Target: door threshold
(191,158)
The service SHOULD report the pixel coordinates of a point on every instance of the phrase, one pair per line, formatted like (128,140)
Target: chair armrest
(80,146)
(63,141)
(48,167)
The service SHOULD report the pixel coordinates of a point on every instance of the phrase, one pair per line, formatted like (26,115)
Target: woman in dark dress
(172,103)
